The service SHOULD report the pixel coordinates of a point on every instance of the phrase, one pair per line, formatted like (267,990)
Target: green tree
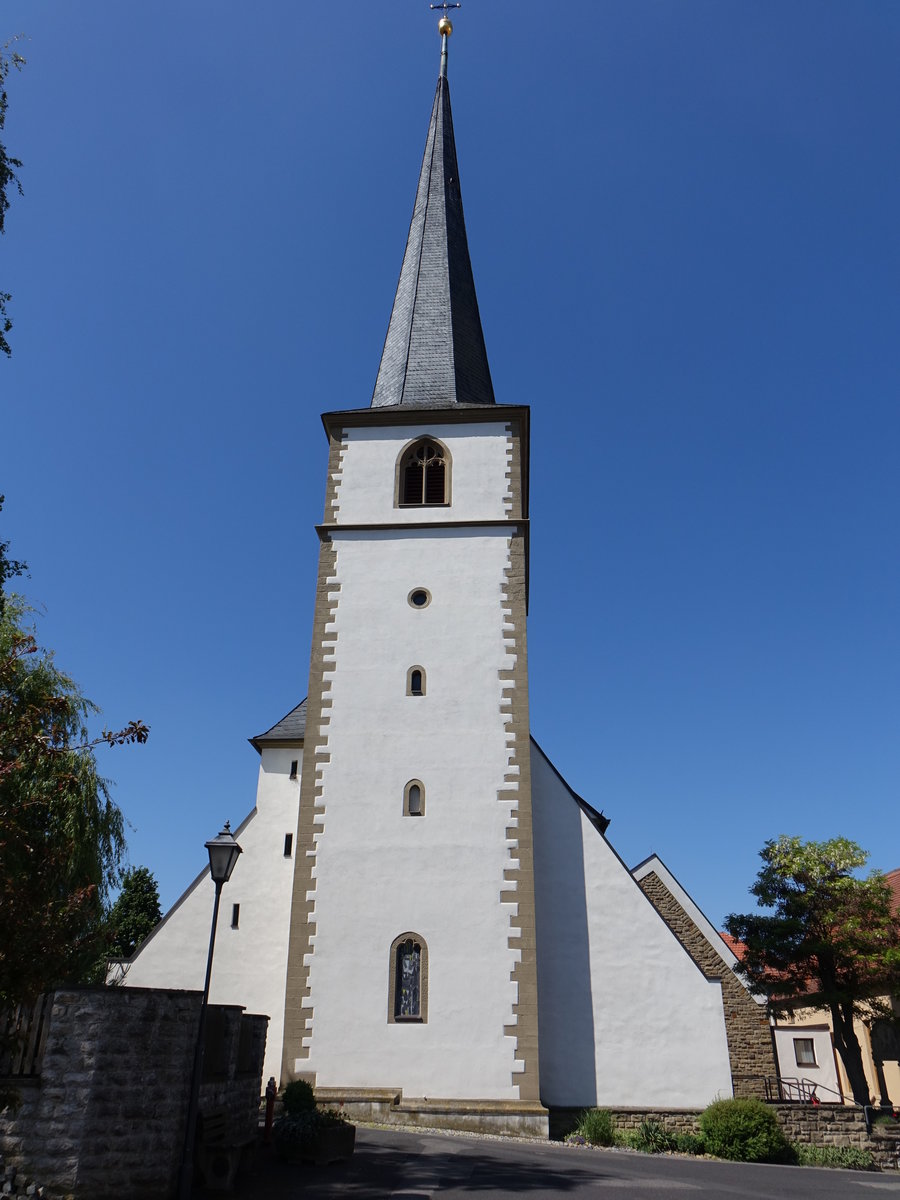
(134,914)
(61,835)
(831,941)
(9,180)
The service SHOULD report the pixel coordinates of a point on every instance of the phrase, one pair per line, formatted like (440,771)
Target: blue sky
(683,226)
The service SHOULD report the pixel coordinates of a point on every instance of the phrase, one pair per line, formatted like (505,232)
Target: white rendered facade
(250,960)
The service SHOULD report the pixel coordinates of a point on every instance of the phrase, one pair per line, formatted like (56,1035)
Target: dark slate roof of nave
(434,354)
(291,728)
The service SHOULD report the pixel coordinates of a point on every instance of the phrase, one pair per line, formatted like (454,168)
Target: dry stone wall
(106,1116)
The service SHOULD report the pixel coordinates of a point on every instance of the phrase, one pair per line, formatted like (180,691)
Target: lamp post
(223,854)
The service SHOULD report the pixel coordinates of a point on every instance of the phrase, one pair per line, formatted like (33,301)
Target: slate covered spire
(434,355)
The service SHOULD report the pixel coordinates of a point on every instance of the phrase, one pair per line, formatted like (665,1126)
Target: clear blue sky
(683,219)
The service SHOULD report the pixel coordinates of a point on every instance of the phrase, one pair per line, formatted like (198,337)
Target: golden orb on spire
(445,26)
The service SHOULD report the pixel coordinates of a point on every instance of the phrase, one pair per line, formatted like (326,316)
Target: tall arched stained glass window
(408,999)
(425,474)
(409,979)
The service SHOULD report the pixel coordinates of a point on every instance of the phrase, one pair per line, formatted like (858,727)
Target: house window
(235,915)
(408,988)
(805,1052)
(423,475)
(294,764)
(288,844)
(415,681)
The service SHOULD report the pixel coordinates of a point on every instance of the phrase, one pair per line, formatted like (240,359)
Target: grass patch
(597,1127)
(848,1157)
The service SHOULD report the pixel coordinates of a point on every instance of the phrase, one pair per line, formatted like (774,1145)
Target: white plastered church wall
(378,873)
(625,1017)
(250,962)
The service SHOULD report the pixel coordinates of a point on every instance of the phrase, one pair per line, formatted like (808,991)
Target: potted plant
(305,1133)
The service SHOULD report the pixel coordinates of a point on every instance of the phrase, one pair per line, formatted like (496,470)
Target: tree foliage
(61,835)
(831,941)
(9,180)
(134,913)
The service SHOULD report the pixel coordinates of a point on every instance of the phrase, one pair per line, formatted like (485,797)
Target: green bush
(834,1156)
(299,1097)
(744,1131)
(596,1126)
(689,1143)
(654,1138)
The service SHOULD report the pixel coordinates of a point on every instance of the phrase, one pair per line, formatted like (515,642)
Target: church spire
(434,355)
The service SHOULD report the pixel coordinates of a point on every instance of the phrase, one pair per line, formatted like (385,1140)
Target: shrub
(849,1157)
(689,1143)
(744,1131)
(299,1097)
(654,1138)
(596,1126)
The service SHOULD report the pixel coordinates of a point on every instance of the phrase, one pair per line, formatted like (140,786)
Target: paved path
(417,1166)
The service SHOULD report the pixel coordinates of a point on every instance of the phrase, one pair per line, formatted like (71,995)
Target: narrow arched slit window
(415,681)
(424,475)
(408,987)
(414,799)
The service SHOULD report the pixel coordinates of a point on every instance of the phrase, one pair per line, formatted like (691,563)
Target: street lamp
(223,854)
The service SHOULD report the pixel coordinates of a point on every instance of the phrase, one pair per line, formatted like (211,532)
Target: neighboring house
(424,907)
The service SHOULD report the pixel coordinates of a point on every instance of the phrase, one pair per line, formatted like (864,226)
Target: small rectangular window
(288,844)
(294,763)
(805,1052)
(235,915)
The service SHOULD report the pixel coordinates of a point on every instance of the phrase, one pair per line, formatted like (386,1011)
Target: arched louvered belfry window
(424,476)
(408,989)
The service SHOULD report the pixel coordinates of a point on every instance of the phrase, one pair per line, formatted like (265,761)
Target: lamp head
(223,854)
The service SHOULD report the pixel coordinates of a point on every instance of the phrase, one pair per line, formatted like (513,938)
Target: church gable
(625,1015)
(750,1049)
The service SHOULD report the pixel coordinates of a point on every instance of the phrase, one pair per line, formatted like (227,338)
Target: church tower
(411,958)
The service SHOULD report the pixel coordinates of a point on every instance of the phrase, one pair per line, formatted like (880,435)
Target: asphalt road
(414,1166)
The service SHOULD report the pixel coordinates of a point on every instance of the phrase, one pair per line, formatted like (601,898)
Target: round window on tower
(419,598)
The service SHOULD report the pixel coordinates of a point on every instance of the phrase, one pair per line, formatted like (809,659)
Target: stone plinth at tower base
(388,1106)
(104,1104)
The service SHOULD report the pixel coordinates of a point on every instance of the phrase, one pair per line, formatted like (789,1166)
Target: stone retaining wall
(810,1124)
(106,1116)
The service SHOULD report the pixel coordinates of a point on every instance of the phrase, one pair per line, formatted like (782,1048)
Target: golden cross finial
(445,28)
